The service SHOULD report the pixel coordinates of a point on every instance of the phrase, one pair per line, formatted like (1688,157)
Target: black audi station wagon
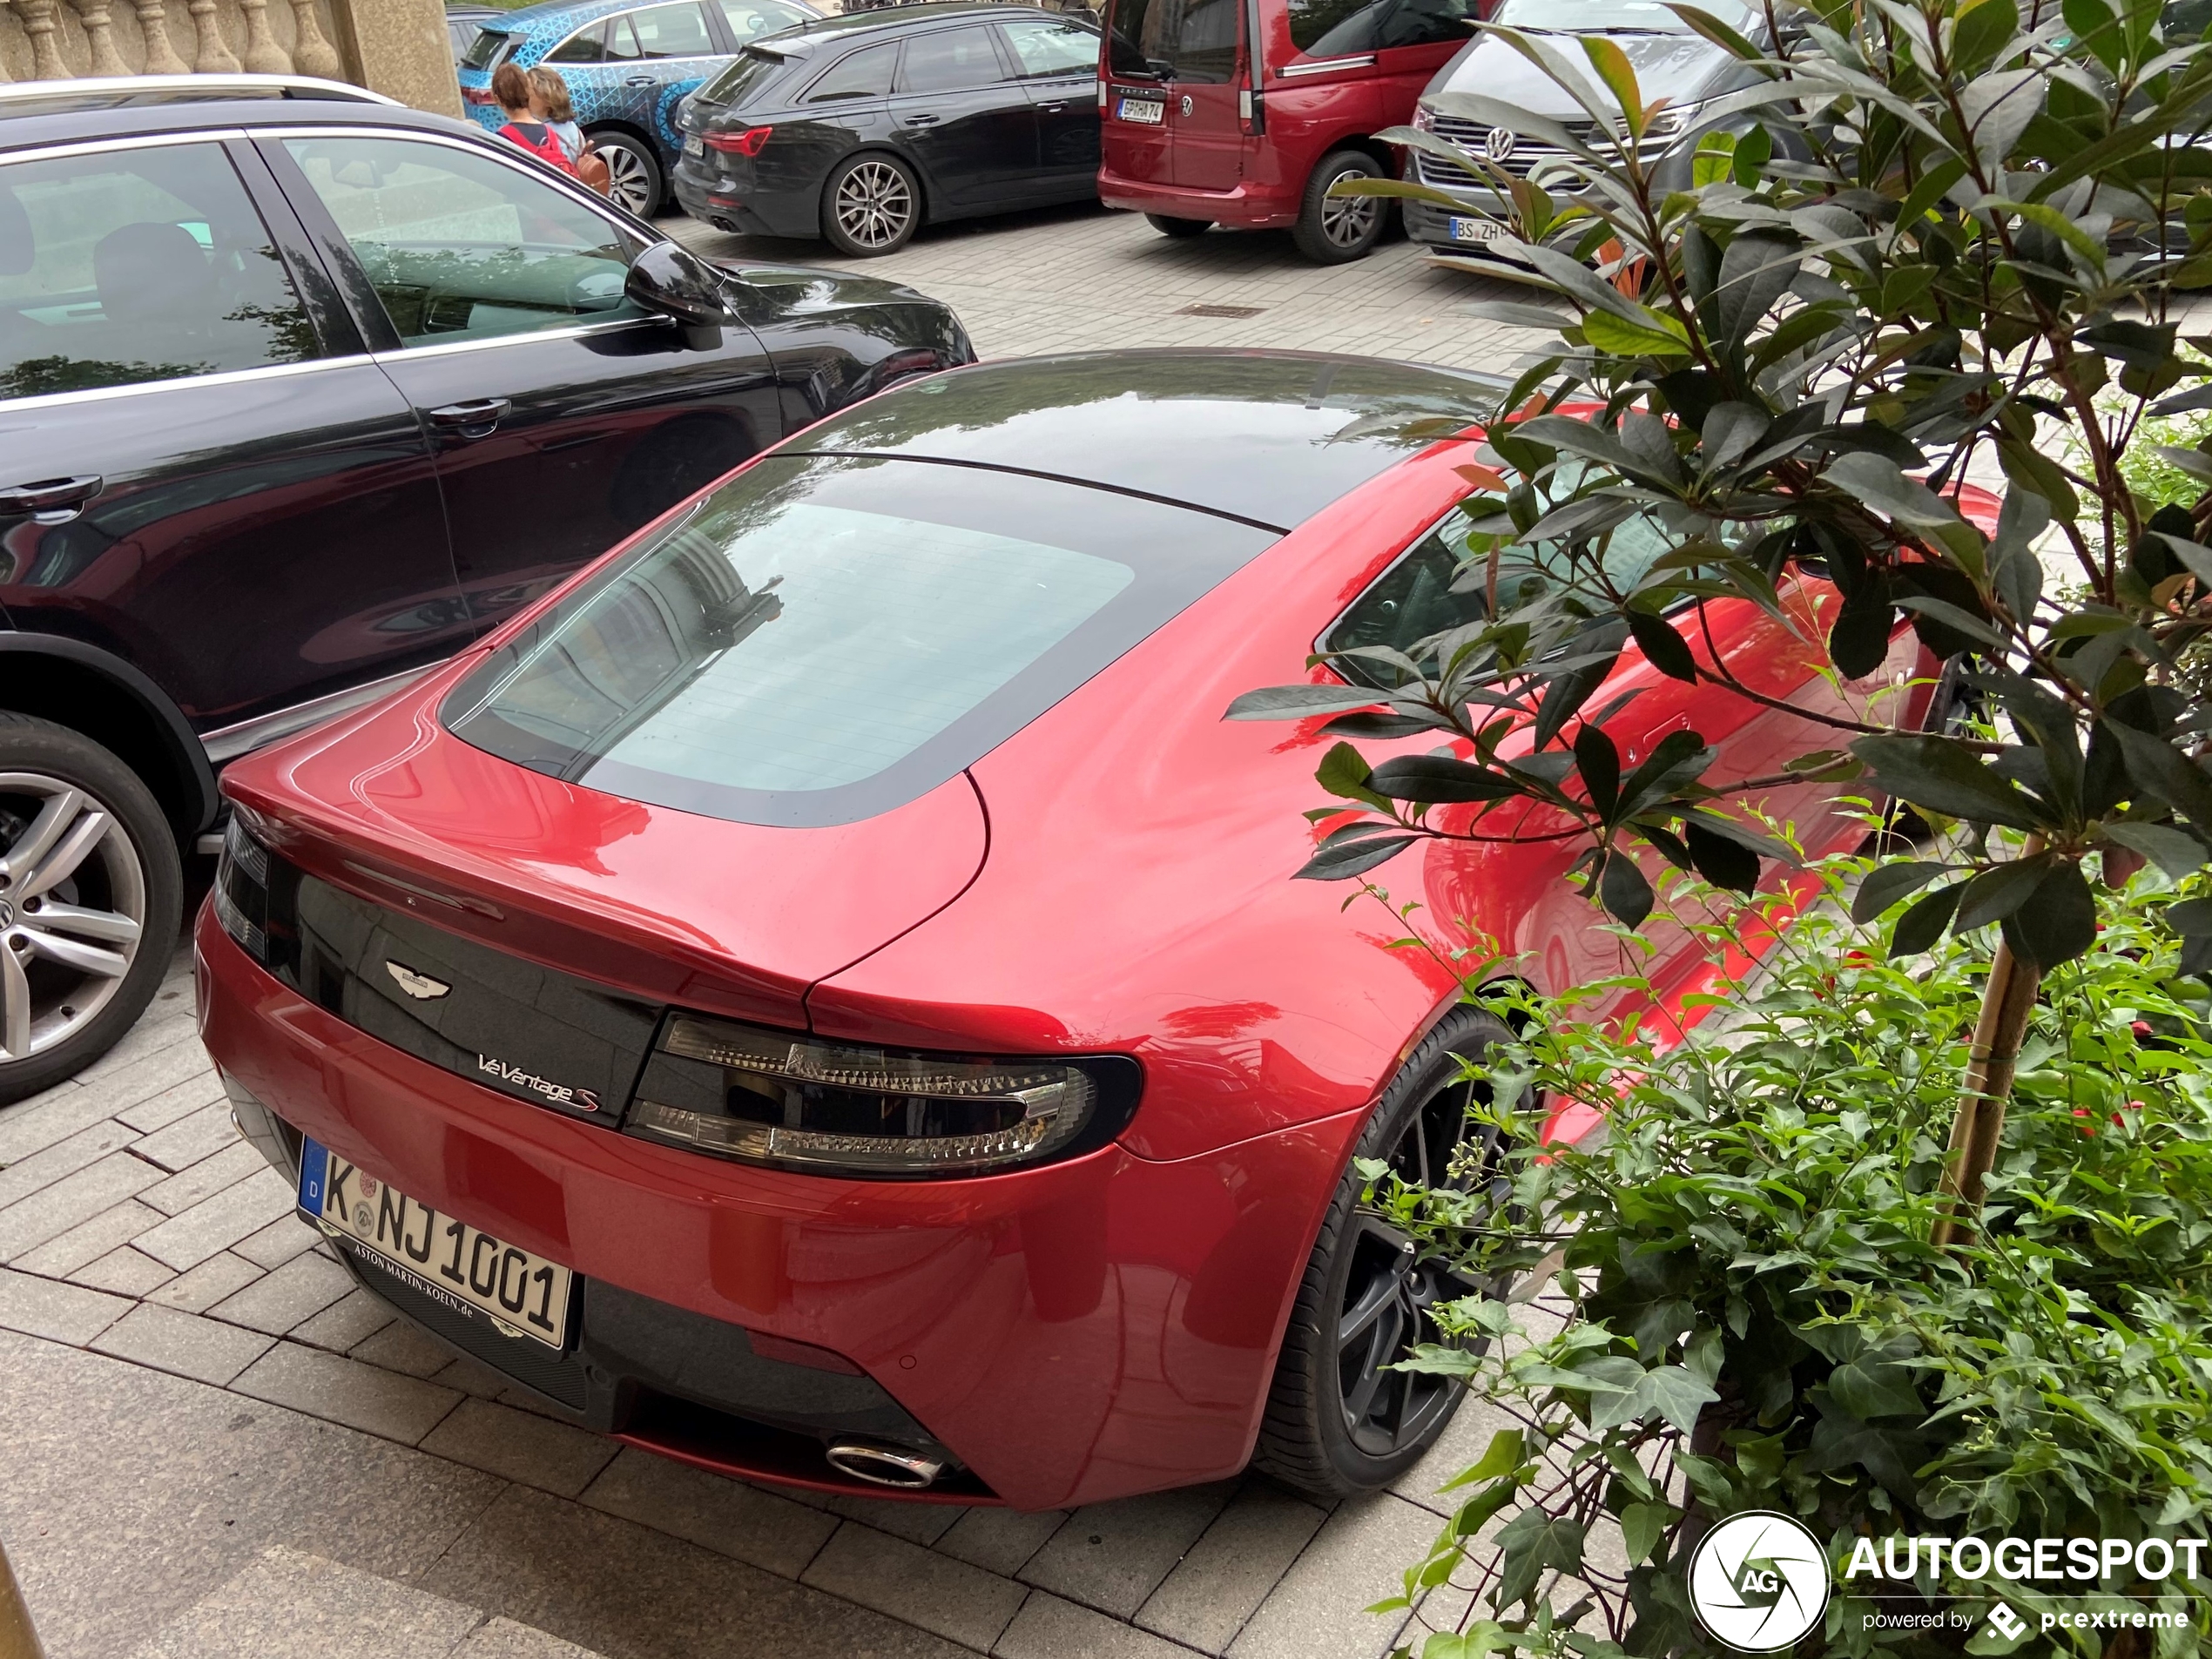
(299,394)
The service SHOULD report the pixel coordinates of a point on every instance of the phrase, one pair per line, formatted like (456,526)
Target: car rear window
(824,638)
(744,74)
(1186,40)
(487,48)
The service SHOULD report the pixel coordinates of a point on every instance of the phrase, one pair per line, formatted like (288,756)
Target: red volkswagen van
(1242,113)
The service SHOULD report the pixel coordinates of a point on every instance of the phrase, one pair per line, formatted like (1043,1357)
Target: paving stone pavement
(1085,279)
(215,1443)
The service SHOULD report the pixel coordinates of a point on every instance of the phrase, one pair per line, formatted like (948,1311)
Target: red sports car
(821,996)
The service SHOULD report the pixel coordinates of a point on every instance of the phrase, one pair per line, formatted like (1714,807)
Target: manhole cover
(1221,311)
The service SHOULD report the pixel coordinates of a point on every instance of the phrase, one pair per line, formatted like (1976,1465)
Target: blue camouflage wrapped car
(628,65)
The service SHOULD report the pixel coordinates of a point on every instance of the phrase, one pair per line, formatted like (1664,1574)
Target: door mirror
(676,282)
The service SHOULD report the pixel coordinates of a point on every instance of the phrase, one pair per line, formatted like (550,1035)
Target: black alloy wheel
(1331,230)
(871,206)
(1179,227)
(634,180)
(1340,1420)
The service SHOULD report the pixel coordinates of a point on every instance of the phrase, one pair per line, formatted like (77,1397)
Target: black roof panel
(1270,437)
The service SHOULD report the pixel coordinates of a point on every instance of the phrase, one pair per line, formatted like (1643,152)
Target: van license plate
(444,1258)
(1477,230)
(1142,110)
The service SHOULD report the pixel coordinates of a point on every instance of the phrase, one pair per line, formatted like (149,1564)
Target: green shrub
(1757,1319)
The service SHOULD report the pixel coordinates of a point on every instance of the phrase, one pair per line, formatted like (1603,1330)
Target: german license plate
(694,145)
(1142,110)
(1477,230)
(442,1256)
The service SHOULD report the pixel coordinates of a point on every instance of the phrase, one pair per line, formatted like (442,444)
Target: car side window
(951,60)
(1051,51)
(136,266)
(460,245)
(672,31)
(866,73)
(750,19)
(1437,585)
(1335,28)
(585,46)
(622,41)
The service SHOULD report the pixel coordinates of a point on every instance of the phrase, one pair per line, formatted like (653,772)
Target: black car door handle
(50,494)
(641,80)
(919,121)
(483,413)
(1054,108)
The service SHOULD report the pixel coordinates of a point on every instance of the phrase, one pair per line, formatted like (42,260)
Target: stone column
(311,53)
(399,48)
(210,55)
(99,34)
(38,22)
(161,57)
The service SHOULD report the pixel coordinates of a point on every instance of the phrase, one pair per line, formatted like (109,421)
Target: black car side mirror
(676,283)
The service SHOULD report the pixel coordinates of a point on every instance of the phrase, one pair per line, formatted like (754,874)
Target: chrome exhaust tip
(884,1466)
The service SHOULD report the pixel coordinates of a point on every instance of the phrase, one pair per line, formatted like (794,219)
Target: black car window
(585,46)
(1437,585)
(866,73)
(750,19)
(672,31)
(951,60)
(1051,51)
(459,245)
(822,638)
(138,264)
(1185,40)
(745,72)
(1338,27)
(486,51)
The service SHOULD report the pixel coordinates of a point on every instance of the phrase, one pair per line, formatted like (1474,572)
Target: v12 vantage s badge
(559,1094)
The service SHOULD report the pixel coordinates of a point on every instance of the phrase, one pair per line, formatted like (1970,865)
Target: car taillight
(1102,94)
(255,894)
(834,1109)
(747,143)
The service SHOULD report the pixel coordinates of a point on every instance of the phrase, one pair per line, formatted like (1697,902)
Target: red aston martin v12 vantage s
(821,996)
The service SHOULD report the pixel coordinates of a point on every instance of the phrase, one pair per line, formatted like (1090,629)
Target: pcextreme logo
(1758,1581)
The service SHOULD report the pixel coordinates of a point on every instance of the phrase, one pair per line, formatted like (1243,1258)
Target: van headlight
(828,1107)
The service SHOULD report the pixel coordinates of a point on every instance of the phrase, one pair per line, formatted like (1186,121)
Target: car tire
(69,987)
(1338,1422)
(1332,231)
(871,204)
(1179,227)
(634,178)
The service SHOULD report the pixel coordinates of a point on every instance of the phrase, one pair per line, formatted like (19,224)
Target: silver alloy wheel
(73,910)
(1346,221)
(873,204)
(630,186)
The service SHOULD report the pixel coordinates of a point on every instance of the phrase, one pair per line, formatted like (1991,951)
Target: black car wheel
(872,205)
(1338,1420)
(90,898)
(1333,229)
(633,172)
(1179,227)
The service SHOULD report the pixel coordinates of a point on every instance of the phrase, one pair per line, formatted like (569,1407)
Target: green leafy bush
(1758,1319)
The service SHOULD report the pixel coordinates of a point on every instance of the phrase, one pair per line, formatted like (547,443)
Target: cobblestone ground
(216,1445)
(1081,278)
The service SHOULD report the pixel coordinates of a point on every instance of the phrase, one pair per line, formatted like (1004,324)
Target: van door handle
(475,419)
(52,500)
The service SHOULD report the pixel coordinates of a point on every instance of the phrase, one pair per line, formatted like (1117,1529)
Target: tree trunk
(2007,1002)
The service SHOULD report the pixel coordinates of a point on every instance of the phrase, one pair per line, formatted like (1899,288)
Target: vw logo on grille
(1499,145)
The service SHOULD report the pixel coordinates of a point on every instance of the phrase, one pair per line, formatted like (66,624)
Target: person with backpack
(550,103)
(511,87)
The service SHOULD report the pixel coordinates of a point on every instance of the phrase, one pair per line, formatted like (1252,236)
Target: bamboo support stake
(2007,1003)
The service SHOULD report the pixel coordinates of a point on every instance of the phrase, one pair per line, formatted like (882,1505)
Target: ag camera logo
(1758,1581)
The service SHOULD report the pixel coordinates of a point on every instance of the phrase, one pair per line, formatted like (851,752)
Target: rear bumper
(743,208)
(1084,1330)
(1248,207)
